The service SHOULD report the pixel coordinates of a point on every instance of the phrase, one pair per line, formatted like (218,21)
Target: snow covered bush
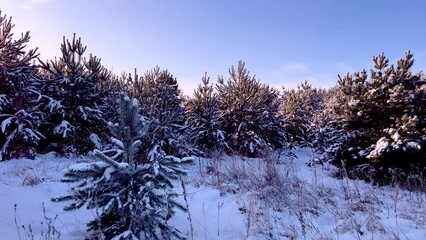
(301,107)
(386,112)
(163,107)
(20,99)
(135,197)
(74,82)
(113,85)
(203,120)
(249,112)
(20,133)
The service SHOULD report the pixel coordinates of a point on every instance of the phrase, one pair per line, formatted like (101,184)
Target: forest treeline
(371,122)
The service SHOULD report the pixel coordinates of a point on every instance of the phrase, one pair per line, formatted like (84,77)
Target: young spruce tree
(203,119)
(75,82)
(20,99)
(300,108)
(136,198)
(163,107)
(249,111)
(386,111)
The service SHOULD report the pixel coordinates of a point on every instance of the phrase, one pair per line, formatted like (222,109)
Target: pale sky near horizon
(282,42)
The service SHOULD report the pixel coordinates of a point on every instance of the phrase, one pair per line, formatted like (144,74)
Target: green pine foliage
(370,120)
(135,197)
(385,112)
(163,107)
(20,99)
(112,85)
(75,82)
(203,119)
(301,107)
(249,111)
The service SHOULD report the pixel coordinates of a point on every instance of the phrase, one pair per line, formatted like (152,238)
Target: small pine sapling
(248,111)
(20,100)
(135,197)
(204,121)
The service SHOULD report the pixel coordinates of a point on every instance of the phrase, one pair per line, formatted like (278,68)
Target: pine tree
(330,134)
(384,111)
(74,81)
(163,107)
(20,99)
(112,85)
(249,111)
(300,108)
(203,120)
(136,198)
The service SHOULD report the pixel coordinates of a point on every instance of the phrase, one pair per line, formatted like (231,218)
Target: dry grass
(280,203)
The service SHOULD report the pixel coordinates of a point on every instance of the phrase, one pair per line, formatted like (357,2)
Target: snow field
(276,197)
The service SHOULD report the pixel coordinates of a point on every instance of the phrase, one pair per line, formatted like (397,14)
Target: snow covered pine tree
(159,91)
(385,112)
(203,122)
(249,110)
(300,108)
(75,81)
(20,113)
(136,197)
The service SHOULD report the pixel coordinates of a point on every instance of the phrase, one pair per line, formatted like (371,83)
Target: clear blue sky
(283,42)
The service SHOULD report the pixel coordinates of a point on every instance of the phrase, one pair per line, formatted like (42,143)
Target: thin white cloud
(39,1)
(25,6)
(291,75)
(187,86)
(345,67)
(29,4)
(295,67)
(319,80)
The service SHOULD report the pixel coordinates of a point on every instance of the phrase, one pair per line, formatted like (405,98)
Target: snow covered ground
(228,198)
